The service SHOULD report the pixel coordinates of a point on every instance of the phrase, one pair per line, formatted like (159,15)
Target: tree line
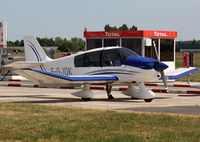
(124,27)
(64,45)
(78,44)
(188,42)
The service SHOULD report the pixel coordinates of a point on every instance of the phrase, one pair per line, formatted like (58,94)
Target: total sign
(160,34)
(112,34)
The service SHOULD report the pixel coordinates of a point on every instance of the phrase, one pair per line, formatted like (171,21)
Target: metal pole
(159,49)
(143,47)
(102,42)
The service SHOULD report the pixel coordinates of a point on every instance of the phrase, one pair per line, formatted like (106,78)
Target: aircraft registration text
(62,70)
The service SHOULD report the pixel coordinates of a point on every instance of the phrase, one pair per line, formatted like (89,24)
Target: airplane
(106,66)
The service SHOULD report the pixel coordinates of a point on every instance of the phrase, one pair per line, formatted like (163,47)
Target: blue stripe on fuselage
(75,78)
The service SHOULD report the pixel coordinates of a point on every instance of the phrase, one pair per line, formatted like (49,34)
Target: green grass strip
(26,122)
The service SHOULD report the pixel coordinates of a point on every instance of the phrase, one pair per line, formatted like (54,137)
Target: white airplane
(107,66)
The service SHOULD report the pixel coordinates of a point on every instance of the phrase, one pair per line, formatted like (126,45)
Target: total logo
(160,34)
(112,34)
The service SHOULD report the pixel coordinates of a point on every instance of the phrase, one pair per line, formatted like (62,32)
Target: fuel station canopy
(139,41)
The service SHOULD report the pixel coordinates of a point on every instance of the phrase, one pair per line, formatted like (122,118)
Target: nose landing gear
(142,93)
(108,91)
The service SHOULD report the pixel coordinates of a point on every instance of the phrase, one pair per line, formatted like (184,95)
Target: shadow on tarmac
(45,99)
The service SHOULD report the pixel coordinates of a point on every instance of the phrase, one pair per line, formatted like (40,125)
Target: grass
(27,122)
(179,60)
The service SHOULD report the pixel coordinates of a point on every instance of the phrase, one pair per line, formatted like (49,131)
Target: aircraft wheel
(148,100)
(86,99)
(110,97)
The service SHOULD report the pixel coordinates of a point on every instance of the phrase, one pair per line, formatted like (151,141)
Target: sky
(67,18)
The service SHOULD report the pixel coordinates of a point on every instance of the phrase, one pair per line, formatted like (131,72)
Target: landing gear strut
(142,93)
(108,91)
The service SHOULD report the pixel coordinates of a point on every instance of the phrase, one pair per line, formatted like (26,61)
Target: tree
(124,27)
(17,43)
(133,28)
(193,41)
(79,42)
(109,28)
(22,43)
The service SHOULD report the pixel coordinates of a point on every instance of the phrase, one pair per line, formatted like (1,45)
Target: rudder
(33,50)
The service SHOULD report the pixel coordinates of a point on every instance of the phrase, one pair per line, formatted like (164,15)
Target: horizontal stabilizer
(24,64)
(178,73)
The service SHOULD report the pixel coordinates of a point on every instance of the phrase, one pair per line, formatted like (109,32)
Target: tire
(86,99)
(110,97)
(148,100)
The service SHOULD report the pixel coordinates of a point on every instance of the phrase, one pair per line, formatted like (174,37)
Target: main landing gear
(85,94)
(143,93)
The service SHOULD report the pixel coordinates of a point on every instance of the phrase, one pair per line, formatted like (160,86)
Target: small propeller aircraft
(106,66)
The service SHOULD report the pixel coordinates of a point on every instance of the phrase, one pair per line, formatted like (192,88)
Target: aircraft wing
(178,73)
(53,78)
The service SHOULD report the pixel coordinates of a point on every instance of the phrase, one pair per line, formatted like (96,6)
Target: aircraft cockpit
(103,58)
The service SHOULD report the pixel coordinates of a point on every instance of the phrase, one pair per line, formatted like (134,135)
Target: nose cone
(160,66)
(144,63)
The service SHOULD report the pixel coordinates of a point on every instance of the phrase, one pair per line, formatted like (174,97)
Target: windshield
(105,58)
(127,52)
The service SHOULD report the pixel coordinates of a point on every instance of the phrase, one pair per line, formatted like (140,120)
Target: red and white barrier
(18,79)
(104,88)
(173,85)
(22,79)
(176,91)
(19,85)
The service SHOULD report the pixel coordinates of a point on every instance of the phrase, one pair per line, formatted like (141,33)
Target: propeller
(159,67)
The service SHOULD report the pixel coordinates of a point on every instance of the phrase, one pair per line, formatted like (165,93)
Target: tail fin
(33,50)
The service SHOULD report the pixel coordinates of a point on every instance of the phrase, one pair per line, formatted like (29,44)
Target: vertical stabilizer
(33,50)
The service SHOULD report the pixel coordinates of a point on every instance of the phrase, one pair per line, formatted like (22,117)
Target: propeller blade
(161,67)
(164,79)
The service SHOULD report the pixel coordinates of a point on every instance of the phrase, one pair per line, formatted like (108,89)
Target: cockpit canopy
(103,58)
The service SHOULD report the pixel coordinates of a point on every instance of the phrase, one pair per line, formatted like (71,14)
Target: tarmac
(162,103)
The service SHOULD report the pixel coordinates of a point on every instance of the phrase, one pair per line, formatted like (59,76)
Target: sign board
(148,42)
(122,34)
(3,34)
